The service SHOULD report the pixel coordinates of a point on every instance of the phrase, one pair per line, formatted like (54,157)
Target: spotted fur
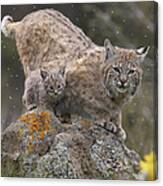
(102,82)
(43,89)
(43,36)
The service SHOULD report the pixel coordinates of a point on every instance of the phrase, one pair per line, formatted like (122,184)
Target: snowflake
(10,97)
(117,32)
(124,20)
(112,12)
(145,36)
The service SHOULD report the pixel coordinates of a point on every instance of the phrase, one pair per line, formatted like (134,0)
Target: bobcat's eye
(116,69)
(131,71)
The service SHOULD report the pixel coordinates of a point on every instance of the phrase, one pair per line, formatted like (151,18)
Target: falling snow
(148,27)
(145,36)
(93,29)
(11,76)
(10,97)
(4,46)
(117,32)
(112,12)
(124,20)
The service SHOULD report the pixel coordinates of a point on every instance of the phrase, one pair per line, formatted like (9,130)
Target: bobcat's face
(54,83)
(122,78)
(122,72)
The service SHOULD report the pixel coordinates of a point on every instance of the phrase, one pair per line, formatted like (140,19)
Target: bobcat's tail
(8,26)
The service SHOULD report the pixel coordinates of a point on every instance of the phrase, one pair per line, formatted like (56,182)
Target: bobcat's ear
(44,74)
(110,50)
(142,51)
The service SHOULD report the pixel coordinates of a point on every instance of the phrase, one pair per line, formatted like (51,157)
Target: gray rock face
(39,145)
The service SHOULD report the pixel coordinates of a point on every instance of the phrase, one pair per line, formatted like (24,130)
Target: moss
(11,166)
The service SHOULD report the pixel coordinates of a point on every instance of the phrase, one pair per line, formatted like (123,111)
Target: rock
(40,145)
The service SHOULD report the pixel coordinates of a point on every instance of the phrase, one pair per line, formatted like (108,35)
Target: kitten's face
(122,71)
(54,83)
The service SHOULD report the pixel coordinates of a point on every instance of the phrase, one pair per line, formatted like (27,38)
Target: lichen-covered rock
(40,145)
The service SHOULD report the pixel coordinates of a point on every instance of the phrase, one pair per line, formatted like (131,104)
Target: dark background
(128,25)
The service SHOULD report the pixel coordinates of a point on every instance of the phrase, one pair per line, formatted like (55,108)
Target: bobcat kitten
(43,89)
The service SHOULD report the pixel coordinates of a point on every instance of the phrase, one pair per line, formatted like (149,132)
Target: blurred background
(127,24)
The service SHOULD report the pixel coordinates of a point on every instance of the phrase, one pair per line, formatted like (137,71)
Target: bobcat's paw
(31,107)
(109,126)
(113,128)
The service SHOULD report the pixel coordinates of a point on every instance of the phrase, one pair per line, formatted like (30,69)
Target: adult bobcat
(100,85)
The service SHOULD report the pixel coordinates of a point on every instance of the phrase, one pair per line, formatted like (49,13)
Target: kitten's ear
(44,74)
(142,51)
(62,71)
(110,50)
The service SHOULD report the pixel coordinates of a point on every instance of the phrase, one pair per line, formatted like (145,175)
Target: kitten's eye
(131,71)
(116,69)
(51,88)
(59,86)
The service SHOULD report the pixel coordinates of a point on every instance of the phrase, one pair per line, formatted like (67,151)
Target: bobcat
(99,80)
(100,84)
(45,35)
(43,88)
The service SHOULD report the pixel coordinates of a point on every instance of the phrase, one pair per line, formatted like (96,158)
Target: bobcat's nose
(123,78)
(55,92)
(122,82)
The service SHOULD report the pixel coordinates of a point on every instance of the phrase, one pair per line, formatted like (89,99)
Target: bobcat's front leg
(112,125)
(43,101)
(103,120)
(29,100)
(118,122)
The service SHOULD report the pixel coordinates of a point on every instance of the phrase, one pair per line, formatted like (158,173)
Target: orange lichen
(32,137)
(30,148)
(38,125)
(36,122)
(42,135)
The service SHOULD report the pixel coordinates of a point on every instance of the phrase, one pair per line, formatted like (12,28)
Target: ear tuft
(44,74)
(110,50)
(62,71)
(143,50)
